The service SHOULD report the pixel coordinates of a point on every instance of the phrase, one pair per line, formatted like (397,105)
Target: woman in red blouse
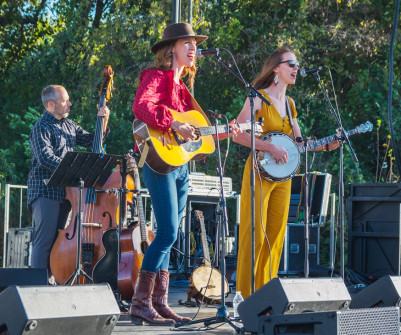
(161,88)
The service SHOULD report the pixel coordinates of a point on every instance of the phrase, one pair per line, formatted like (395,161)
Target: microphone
(201,52)
(213,115)
(304,72)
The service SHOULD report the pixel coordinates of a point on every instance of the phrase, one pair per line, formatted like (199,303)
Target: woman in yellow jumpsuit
(271,199)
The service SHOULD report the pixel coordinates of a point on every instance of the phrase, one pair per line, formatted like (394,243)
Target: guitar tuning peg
(258,129)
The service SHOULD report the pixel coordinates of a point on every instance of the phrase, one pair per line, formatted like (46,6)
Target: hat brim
(198,38)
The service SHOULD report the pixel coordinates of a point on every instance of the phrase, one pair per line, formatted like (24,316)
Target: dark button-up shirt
(50,140)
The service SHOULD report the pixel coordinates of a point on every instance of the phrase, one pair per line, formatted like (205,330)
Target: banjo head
(268,167)
(205,275)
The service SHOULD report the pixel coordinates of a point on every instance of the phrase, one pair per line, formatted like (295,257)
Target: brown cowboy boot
(141,306)
(160,296)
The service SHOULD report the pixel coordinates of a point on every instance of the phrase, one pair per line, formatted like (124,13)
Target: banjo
(272,171)
(205,282)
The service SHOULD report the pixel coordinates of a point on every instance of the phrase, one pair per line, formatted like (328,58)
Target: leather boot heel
(137,321)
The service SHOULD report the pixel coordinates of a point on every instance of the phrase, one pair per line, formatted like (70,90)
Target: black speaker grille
(377,321)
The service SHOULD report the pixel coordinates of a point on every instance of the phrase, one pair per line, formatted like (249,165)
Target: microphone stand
(343,138)
(306,210)
(253,93)
(222,315)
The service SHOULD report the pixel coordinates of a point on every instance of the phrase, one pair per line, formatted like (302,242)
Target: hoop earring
(276,79)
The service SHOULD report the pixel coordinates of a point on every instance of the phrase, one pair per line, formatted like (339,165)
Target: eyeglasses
(291,63)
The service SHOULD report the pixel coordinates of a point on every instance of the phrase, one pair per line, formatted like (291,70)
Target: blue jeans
(169,196)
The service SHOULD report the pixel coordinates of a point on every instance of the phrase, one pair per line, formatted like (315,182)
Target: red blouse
(157,91)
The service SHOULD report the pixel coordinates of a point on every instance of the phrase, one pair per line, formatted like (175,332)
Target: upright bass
(99,211)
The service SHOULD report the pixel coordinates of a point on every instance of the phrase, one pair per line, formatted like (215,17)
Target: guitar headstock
(132,165)
(365,127)
(258,129)
(258,126)
(199,215)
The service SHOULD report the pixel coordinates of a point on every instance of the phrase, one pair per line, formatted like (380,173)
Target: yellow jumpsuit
(275,204)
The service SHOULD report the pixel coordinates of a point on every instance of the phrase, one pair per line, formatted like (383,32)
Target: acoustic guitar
(166,151)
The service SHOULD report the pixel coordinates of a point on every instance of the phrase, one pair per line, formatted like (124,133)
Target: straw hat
(176,31)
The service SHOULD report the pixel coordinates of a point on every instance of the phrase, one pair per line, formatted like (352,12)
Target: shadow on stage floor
(178,292)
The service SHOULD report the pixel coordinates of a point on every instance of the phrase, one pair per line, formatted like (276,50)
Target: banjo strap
(288,109)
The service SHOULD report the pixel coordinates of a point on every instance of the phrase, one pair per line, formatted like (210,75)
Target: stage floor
(178,292)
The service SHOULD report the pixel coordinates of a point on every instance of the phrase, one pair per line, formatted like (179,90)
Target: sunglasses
(291,63)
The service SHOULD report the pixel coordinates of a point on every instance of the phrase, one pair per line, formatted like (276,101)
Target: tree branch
(98,13)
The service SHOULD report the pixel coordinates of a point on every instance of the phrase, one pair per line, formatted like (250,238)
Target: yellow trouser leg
(275,204)
(276,223)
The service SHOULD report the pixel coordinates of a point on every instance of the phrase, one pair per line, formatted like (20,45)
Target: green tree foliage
(69,42)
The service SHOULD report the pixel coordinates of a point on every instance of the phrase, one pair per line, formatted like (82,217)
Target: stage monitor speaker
(379,321)
(293,296)
(374,234)
(62,310)
(384,292)
(22,277)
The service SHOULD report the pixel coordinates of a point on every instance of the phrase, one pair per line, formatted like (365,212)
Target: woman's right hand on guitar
(184,129)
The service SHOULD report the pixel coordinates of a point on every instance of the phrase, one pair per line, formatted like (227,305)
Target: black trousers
(48,216)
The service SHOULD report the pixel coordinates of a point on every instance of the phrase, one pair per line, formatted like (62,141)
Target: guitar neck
(211,130)
(325,140)
(141,212)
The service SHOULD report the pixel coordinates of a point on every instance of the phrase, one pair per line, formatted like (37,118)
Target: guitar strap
(196,106)
(144,155)
(140,132)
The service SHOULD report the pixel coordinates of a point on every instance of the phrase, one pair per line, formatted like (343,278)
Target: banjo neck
(325,140)
(274,172)
(206,253)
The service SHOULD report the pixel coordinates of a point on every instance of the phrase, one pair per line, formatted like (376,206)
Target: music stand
(82,170)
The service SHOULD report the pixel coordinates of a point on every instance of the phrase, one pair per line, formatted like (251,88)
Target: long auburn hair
(266,76)
(164,61)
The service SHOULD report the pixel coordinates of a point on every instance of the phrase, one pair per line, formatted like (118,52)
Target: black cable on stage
(390,86)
